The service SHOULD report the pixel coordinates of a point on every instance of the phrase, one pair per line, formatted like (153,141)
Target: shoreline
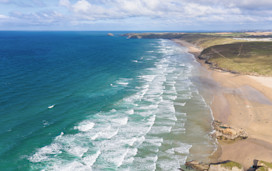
(241,101)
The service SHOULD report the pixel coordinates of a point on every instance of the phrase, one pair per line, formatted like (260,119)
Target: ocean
(88,101)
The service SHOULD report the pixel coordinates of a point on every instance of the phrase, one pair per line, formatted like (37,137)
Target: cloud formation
(174,13)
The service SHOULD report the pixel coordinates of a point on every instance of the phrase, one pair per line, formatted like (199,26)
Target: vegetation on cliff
(245,53)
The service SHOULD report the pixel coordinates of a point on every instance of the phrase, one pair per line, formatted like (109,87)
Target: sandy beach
(241,101)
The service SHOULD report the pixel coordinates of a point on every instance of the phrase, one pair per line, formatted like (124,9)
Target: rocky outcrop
(195,165)
(226,166)
(222,166)
(225,132)
(263,166)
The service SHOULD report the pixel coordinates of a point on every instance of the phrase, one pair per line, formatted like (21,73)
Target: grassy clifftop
(243,57)
(245,53)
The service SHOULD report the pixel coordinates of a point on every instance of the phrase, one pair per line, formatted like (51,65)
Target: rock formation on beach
(221,166)
(195,165)
(225,132)
(227,166)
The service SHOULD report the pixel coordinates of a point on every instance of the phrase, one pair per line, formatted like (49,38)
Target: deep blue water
(60,90)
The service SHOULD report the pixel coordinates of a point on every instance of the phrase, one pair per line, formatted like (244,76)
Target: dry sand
(243,102)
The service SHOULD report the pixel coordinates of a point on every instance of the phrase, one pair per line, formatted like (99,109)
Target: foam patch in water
(91,159)
(85,126)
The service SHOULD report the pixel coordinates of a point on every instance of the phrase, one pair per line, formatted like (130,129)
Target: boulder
(195,165)
(225,132)
(226,166)
(264,166)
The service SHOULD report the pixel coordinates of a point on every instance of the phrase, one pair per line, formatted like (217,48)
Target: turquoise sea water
(86,101)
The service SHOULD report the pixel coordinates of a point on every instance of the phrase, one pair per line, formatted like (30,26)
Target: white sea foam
(130,112)
(51,106)
(169,164)
(170,151)
(178,130)
(121,121)
(169,117)
(85,126)
(179,104)
(43,153)
(160,129)
(137,125)
(183,149)
(121,159)
(130,156)
(148,78)
(107,134)
(76,150)
(148,107)
(151,122)
(123,81)
(113,110)
(91,159)
(73,165)
(154,141)
(59,136)
(170,97)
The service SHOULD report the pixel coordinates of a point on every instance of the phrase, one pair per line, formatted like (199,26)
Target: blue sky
(158,15)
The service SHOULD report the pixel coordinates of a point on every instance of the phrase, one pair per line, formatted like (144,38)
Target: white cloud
(4,16)
(82,6)
(65,3)
(111,9)
(148,11)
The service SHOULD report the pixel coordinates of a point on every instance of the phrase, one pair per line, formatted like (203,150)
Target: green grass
(267,164)
(206,40)
(231,164)
(217,41)
(262,169)
(226,53)
(230,34)
(253,58)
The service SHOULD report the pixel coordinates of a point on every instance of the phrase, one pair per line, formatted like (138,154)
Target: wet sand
(243,102)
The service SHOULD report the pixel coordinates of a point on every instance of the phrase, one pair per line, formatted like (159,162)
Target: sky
(136,15)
